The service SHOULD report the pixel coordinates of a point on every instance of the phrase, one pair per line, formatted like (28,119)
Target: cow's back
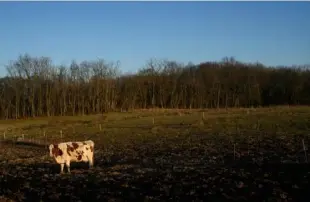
(80,151)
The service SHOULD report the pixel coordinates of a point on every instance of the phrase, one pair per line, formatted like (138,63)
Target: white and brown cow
(67,152)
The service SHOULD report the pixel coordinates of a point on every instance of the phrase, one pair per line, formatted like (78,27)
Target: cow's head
(55,150)
(51,150)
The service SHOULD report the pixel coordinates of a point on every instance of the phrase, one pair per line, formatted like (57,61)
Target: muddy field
(232,155)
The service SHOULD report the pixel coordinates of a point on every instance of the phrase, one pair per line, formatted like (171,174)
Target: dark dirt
(190,168)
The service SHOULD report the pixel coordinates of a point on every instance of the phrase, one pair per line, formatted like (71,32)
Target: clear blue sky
(274,33)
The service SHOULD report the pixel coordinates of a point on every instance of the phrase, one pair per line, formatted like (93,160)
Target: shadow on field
(23,143)
(147,172)
(42,181)
(132,182)
(177,126)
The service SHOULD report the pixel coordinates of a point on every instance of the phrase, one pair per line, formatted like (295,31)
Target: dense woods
(34,86)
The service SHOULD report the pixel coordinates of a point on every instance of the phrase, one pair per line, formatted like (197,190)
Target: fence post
(304,148)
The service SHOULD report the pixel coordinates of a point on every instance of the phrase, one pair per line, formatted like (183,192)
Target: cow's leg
(91,162)
(62,168)
(68,166)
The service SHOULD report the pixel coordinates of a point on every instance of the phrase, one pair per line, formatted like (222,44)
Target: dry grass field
(162,155)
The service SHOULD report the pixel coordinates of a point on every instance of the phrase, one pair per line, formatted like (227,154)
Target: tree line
(34,86)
